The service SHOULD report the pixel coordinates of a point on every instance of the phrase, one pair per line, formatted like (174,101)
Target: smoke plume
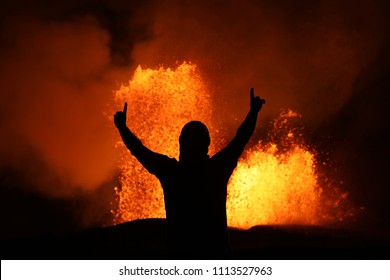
(54,89)
(305,56)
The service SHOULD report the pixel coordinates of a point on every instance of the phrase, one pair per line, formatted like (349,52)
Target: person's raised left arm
(246,129)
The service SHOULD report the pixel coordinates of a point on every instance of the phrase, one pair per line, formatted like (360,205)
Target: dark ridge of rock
(146,239)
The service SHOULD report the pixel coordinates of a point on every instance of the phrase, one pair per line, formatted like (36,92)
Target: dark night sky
(60,62)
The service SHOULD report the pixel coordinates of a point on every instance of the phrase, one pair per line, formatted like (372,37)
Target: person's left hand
(256,101)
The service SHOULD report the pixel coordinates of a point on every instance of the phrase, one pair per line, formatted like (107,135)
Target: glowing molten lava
(270,186)
(275,182)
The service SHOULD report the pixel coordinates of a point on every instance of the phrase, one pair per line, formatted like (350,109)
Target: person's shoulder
(165,166)
(224,158)
(219,157)
(171,161)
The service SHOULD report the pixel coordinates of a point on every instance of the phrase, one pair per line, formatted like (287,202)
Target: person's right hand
(120,117)
(256,101)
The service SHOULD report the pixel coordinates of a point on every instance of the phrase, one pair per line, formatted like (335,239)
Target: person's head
(194,141)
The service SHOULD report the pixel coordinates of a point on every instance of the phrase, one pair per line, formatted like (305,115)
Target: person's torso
(195,201)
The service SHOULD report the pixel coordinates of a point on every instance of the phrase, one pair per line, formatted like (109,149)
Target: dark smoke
(59,67)
(60,62)
(360,141)
(303,56)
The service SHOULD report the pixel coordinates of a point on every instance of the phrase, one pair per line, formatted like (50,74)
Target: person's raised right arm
(152,161)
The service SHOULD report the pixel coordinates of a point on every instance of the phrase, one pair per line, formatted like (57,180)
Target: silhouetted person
(195,187)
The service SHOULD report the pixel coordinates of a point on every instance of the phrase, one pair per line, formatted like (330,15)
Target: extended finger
(252,93)
(125,108)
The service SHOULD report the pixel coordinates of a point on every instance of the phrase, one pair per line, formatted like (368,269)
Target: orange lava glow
(275,182)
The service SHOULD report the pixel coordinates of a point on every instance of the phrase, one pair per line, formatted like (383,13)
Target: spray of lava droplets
(274,182)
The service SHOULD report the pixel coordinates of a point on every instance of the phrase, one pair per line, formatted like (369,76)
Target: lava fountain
(275,182)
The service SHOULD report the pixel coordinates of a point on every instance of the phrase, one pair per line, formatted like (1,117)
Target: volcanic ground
(146,239)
